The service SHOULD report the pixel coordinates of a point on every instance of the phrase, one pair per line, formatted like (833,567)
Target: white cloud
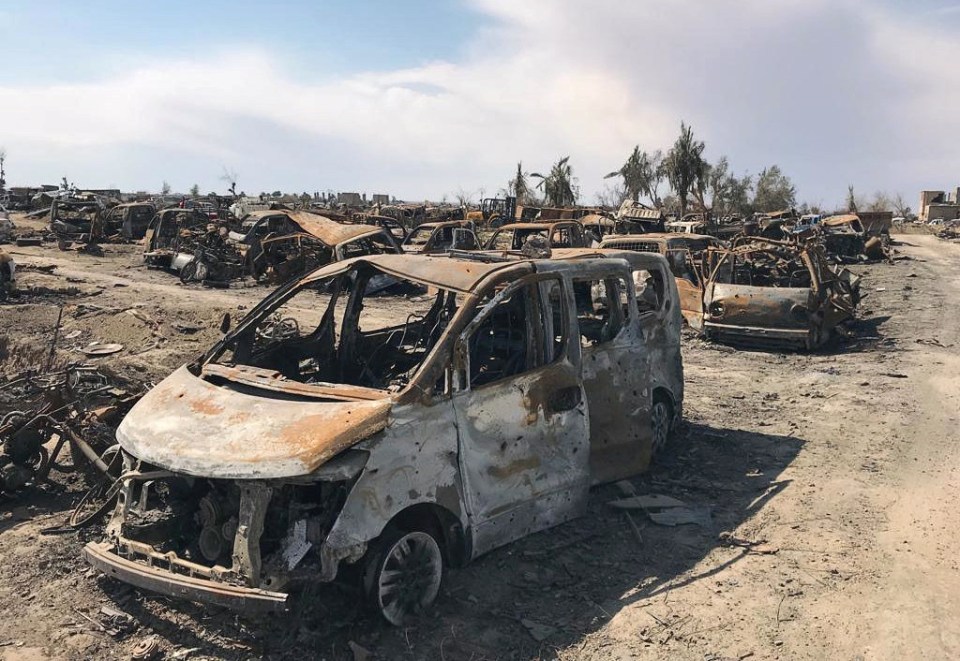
(836,92)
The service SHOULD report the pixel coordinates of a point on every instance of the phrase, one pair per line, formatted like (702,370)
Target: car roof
(465,274)
(542,225)
(656,236)
(329,231)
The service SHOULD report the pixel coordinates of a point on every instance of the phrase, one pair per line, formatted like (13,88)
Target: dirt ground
(831,479)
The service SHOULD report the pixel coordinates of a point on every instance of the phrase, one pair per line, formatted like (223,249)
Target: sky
(423,99)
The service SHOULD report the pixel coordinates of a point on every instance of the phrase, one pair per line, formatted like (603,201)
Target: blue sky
(423,99)
(76,41)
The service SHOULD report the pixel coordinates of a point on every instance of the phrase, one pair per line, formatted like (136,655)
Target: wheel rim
(660,422)
(409,578)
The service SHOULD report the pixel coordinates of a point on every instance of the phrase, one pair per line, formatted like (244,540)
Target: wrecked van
(473,404)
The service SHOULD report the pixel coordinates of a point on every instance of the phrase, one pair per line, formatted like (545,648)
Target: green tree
(738,195)
(641,173)
(195,190)
(774,190)
(685,168)
(559,185)
(165,189)
(718,181)
(729,194)
(519,186)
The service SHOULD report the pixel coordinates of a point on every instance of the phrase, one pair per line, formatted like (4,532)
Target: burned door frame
(523,439)
(616,378)
(690,294)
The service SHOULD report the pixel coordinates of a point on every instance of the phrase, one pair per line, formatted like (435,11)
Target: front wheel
(403,574)
(660,425)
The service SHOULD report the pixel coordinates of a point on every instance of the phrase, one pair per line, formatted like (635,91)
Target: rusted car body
(170,237)
(395,432)
(393,226)
(843,236)
(434,238)
(562,234)
(684,253)
(279,245)
(649,220)
(130,221)
(763,291)
(598,226)
(77,219)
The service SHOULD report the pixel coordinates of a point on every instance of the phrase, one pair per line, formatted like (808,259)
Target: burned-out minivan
(472,403)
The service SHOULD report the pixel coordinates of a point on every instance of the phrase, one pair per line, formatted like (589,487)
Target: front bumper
(142,575)
(756,334)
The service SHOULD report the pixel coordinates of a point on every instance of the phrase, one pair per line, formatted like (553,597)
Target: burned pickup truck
(394,433)
(763,291)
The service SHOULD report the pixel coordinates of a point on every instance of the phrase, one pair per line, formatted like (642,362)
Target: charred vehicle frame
(764,291)
(397,434)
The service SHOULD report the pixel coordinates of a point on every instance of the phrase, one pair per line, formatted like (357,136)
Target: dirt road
(831,479)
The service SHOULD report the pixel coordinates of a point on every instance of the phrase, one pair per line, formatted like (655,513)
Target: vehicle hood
(188,425)
(766,307)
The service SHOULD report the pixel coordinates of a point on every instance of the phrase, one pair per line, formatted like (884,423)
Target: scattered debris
(665,510)
(77,406)
(537,630)
(96,349)
(146,649)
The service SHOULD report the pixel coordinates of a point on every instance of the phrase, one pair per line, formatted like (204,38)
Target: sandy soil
(831,478)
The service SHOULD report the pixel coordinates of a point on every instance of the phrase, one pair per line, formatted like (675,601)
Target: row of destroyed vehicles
(388,415)
(752,289)
(398,407)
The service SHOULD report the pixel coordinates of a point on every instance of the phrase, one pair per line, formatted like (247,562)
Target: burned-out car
(763,291)
(561,234)
(282,245)
(394,433)
(433,238)
(842,236)
(171,237)
(684,253)
(78,219)
(129,221)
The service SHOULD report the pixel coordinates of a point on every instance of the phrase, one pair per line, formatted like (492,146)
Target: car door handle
(565,399)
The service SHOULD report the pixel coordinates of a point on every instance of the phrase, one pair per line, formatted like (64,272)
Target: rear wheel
(660,422)
(403,574)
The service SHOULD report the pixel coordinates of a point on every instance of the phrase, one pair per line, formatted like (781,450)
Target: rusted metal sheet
(329,231)
(189,425)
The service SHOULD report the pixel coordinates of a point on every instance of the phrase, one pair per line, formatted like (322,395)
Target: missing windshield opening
(365,329)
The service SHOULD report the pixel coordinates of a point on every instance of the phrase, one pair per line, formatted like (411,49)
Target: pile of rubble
(950,231)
